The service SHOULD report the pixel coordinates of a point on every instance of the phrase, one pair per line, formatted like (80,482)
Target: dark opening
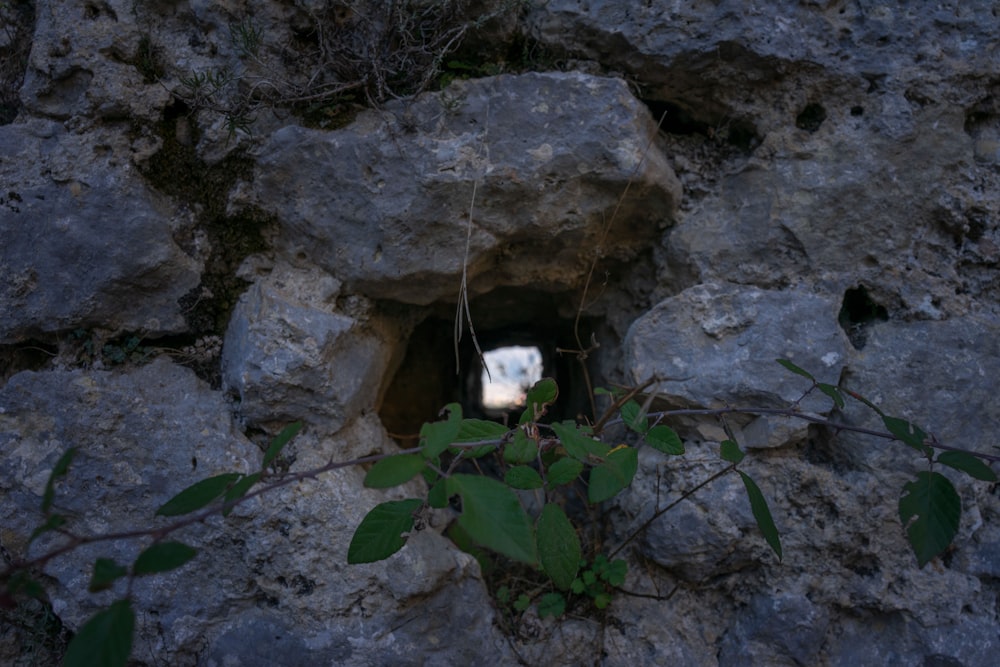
(810,118)
(676,119)
(858,313)
(427,378)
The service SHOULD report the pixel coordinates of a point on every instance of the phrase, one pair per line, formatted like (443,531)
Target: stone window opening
(426,378)
(507,375)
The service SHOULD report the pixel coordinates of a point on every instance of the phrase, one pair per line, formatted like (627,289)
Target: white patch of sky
(514,370)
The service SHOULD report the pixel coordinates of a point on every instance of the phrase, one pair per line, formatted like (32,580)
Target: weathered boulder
(539,161)
(291,356)
(707,55)
(937,374)
(717,344)
(276,565)
(86,243)
(821,146)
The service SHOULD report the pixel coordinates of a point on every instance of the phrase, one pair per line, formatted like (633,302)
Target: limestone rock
(938,375)
(278,565)
(287,358)
(85,242)
(92,60)
(717,344)
(710,53)
(540,161)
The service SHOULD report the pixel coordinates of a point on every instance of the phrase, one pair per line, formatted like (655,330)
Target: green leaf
(615,574)
(833,392)
(581,447)
(908,432)
(930,512)
(634,417)
(474,430)
(162,557)
(106,572)
(616,473)
(602,600)
(543,393)
(394,471)
(238,490)
(437,497)
(53,522)
(522,602)
(436,436)
(59,470)
(730,451)
(105,640)
(795,369)
(563,471)
(663,438)
(551,604)
(523,477)
(280,441)
(477,452)
(198,495)
(521,450)
(758,505)
(558,546)
(493,517)
(967,463)
(380,533)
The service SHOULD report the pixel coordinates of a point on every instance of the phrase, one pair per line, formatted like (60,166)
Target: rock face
(86,242)
(814,182)
(385,204)
(154,431)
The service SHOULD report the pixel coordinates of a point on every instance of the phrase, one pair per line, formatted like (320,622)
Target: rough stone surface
(86,243)
(716,344)
(277,565)
(289,359)
(807,150)
(540,161)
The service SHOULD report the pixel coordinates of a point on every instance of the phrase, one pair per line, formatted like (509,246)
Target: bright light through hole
(514,370)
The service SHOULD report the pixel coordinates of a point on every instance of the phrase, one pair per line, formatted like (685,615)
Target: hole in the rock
(520,332)
(858,313)
(743,135)
(508,373)
(676,119)
(31,355)
(811,118)
(857,111)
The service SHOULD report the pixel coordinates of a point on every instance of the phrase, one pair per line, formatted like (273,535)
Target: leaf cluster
(545,461)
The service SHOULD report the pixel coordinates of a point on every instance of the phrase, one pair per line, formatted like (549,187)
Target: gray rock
(776,629)
(289,359)
(86,243)
(716,344)
(276,565)
(93,61)
(707,55)
(939,375)
(540,159)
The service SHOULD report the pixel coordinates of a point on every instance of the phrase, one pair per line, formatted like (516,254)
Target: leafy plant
(543,460)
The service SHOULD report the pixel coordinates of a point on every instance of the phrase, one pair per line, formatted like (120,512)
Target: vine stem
(75,541)
(660,512)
